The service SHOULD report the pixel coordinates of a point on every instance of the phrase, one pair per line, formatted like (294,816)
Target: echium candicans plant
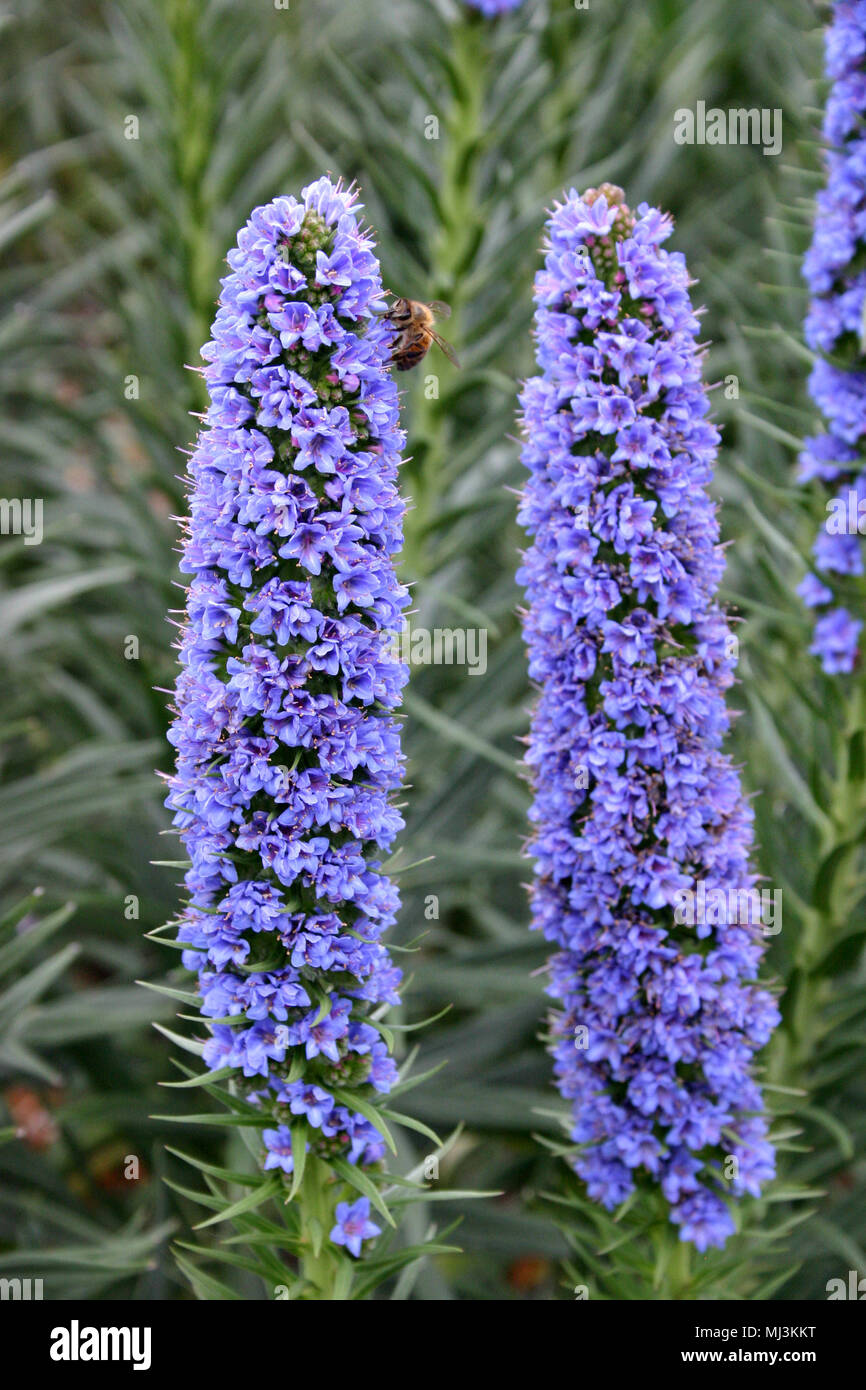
(816,1039)
(835,272)
(287,746)
(637,813)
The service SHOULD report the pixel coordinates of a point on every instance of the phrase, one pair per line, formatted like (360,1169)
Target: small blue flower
(813,592)
(354,1226)
(278,1143)
(310,1100)
(836,637)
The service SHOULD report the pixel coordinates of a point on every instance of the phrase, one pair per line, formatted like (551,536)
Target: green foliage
(56,1156)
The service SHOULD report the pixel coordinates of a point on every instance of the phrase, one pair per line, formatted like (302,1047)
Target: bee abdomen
(408,360)
(410,356)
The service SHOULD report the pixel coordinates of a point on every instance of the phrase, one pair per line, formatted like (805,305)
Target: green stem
(674,1264)
(681,1270)
(191,147)
(320,1263)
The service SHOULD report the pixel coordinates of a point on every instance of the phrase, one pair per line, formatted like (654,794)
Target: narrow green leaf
(261,1193)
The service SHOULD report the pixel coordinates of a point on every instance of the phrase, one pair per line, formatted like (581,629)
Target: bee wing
(446,347)
(439,308)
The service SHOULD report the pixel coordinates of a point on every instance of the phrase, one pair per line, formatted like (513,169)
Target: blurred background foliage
(137,136)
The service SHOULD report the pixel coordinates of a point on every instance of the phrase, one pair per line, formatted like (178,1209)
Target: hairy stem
(453,251)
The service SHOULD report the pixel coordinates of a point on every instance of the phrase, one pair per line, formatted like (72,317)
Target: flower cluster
(288,752)
(635,805)
(492,8)
(836,329)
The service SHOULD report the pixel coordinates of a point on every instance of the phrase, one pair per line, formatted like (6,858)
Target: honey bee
(414,322)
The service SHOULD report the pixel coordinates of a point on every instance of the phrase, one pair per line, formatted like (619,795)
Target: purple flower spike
(638,817)
(354,1226)
(288,751)
(836,329)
